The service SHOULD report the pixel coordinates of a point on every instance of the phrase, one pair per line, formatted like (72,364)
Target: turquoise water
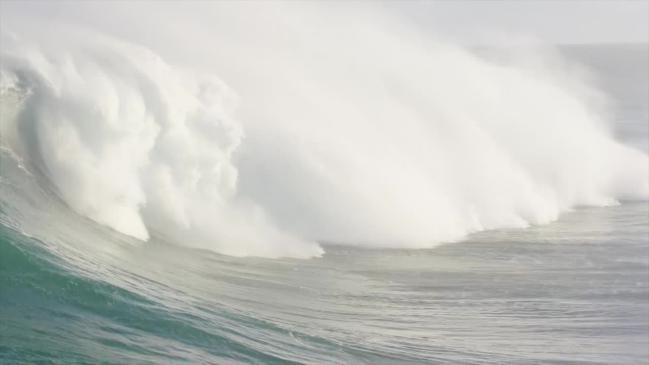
(575,291)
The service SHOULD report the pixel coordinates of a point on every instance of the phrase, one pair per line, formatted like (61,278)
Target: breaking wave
(378,138)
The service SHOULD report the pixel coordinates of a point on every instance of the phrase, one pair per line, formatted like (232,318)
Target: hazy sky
(467,21)
(554,21)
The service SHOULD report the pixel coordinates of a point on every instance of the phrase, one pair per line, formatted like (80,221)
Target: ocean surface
(575,291)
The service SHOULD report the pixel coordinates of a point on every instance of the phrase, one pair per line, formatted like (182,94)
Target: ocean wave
(391,141)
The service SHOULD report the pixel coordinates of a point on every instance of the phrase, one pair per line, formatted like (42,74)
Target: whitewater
(364,193)
(391,142)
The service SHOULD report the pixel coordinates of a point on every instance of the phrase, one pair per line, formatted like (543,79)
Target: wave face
(268,141)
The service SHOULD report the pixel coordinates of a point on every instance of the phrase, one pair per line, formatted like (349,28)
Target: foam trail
(379,137)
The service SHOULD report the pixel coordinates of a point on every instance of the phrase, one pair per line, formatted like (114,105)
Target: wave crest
(387,143)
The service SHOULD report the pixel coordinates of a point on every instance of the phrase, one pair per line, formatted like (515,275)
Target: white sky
(466,21)
(553,21)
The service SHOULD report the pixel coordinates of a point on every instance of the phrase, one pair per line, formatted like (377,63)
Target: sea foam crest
(137,145)
(392,142)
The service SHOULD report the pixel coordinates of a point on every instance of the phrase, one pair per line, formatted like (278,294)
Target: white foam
(378,137)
